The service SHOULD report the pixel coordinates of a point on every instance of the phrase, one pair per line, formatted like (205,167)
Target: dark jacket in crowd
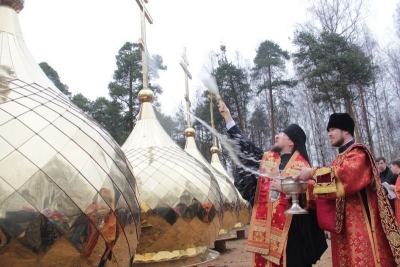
(388,176)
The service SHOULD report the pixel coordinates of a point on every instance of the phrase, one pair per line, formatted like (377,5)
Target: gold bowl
(291,186)
(294,188)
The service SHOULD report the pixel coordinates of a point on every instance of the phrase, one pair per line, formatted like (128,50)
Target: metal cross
(142,41)
(184,64)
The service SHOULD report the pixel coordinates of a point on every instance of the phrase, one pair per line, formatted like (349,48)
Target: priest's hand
(224,111)
(304,174)
(276,184)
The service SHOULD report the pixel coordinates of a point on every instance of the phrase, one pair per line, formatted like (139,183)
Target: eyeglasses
(280,134)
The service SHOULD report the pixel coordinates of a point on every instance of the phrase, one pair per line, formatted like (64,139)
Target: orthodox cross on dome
(214,140)
(184,64)
(142,41)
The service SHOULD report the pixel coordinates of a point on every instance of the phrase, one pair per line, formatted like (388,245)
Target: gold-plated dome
(180,199)
(228,190)
(17,5)
(245,207)
(68,196)
(146,95)
(190,132)
(214,150)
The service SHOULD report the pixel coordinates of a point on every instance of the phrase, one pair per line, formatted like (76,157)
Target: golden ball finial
(146,95)
(17,5)
(214,150)
(190,132)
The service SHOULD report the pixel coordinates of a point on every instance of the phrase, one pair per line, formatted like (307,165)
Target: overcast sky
(80,38)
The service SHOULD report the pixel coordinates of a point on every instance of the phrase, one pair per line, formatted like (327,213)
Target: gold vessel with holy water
(294,188)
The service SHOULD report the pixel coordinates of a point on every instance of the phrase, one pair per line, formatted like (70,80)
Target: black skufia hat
(297,135)
(341,121)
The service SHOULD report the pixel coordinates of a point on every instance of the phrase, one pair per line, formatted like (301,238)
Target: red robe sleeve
(349,173)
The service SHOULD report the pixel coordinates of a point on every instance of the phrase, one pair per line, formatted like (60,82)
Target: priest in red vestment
(364,230)
(276,239)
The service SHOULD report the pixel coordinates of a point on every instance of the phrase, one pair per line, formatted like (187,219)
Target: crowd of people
(356,199)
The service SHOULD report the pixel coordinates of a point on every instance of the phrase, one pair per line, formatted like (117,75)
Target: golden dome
(214,150)
(229,193)
(180,199)
(245,207)
(190,132)
(146,95)
(62,176)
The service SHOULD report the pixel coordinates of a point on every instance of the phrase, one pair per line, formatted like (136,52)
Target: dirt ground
(236,256)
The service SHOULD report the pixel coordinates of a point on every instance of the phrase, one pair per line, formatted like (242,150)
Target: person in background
(395,187)
(386,175)
(364,231)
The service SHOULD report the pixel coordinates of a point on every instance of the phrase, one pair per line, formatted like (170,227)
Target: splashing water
(232,147)
(210,83)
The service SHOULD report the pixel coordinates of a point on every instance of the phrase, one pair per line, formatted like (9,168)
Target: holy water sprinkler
(211,84)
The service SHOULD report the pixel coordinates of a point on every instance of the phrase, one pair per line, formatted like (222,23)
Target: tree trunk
(130,106)
(365,118)
(239,110)
(318,135)
(271,106)
(378,123)
(351,112)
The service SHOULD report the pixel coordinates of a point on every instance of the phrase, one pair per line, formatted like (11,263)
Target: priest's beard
(339,142)
(276,148)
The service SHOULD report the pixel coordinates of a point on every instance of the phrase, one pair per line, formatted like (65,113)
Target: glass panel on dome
(15,133)
(54,137)
(4,117)
(74,119)
(40,191)
(81,192)
(117,176)
(16,214)
(46,113)
(85,142)
(62,252)
(12,172)
(75,155)
(5,190)
(6,148)
(78,232)
(94,174)
(27,102)
(60,170)
(32,146)
(36,122)
(62,212)
(13,108)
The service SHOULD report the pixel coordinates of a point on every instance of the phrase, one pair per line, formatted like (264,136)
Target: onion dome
(68,196)
(229,193)
(17,5)
(180,199)
(245,207)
